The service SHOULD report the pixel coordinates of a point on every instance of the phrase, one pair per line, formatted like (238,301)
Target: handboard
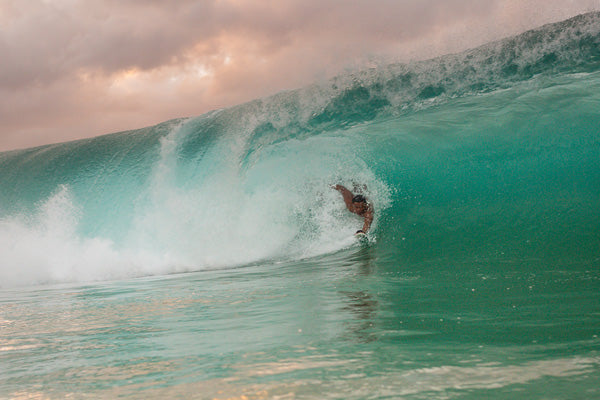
(361,237)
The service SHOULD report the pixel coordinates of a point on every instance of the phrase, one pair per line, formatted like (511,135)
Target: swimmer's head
(359,198)
(359,204)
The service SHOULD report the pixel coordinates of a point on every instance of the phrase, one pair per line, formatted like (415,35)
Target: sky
(71,69)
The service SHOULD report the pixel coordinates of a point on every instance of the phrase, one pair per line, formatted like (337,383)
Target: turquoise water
(208,257)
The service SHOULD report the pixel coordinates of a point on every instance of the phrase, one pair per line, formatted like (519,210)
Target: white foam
(280,206)
(46,247)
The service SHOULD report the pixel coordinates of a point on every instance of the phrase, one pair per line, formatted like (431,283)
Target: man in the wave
(358,205)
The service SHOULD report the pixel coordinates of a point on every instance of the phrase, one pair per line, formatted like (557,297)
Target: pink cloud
(73,69)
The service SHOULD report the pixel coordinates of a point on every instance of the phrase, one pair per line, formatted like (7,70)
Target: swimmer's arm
(368,219)
(346,194)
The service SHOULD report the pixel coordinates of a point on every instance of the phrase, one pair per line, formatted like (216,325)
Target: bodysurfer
(359,205)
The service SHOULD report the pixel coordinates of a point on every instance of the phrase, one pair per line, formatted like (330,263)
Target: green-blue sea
(210,258)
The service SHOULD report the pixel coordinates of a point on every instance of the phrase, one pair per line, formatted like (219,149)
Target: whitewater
(209,257)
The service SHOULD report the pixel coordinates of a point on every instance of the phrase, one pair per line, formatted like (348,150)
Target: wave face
(490,154)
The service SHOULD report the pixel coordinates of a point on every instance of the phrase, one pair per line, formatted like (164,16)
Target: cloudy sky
(77,68)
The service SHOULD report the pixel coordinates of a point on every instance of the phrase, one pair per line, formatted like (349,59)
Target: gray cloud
(63,69)
(43,40)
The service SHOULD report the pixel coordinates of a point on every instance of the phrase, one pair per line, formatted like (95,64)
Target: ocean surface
(209,257)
